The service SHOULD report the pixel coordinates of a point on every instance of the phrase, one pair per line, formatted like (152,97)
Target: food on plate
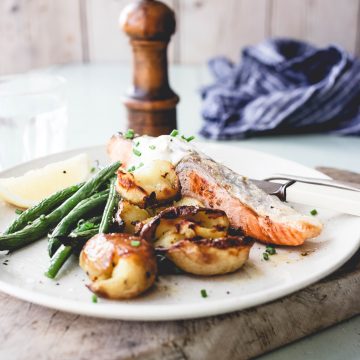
(153,183)
(120,266)
(197,240)
(161,199)
(29,189)
(210,256)
(40,227)
(258,214)
(175,223)
(130,215)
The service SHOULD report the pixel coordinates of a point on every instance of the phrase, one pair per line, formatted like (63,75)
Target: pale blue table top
(96,112)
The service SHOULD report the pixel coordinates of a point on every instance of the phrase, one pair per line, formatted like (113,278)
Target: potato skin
(117,269)
(210,256)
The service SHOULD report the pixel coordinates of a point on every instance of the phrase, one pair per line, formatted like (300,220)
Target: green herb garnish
(203,293)
(94,299)
(270,250)
(18,211)
(265,256)
(152,147)
(131,169)
(136,152)
(140,165)
(313,212)
(93,169)
(174,133)
(137,144)
(188,139)
(129,134)
(135,243)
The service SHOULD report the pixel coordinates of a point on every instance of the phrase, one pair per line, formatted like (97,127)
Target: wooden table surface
(30,331)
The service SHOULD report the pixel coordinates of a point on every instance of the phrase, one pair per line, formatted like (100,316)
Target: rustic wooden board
(33,332)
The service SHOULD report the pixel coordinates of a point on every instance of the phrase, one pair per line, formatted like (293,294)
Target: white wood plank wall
(37,33)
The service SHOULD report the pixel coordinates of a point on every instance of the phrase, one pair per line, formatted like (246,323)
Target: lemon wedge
(35,185)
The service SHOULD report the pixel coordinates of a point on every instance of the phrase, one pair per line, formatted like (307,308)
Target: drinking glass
(33,117)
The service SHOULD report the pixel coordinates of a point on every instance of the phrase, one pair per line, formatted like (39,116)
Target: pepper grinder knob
(151,103)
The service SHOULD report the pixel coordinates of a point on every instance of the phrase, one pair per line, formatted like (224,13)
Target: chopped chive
(135,243)
(129,134)
(136,152)
(188,139)
(131,169)
(313,212)
(270,250)
(265,256)
(203,293)
(18,211)
(140,165)
(93,169)
(152,147)
(137,144)
(94,299)
(174,133)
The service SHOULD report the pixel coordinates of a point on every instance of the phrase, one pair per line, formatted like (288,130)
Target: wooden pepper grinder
(151,103)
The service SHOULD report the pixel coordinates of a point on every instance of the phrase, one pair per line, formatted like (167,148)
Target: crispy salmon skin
(258,214)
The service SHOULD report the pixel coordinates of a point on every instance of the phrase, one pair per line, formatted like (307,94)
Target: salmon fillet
(258,214)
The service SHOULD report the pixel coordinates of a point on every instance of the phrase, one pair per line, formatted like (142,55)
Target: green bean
(64,227)
(77,237)
(41,226)
(58,260)
(110,209)
(44,207)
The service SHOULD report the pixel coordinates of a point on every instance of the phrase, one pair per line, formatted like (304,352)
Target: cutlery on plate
(325,193)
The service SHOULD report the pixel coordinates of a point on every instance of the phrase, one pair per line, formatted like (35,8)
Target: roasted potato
(154,183)
(210,256)
(196,240)
(185,222)
(120,266)
(130,215)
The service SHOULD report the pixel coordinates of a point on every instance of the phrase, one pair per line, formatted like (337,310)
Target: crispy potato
(130,215)
(154,183)
(197,241)
(185,222)
(210,256)
(120,266)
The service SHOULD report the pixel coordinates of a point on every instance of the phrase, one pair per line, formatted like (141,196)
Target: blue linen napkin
(283,86)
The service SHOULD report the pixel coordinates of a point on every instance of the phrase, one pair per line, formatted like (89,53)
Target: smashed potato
(154,183)
(210,256)
(130,215)
(120,266)
(185,222)
(196,240)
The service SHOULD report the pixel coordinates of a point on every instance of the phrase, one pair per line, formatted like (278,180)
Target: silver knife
(323,193)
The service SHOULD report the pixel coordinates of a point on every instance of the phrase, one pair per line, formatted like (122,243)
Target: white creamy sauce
(164,147)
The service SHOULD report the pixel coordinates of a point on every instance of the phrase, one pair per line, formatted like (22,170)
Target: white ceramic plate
(178,297)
